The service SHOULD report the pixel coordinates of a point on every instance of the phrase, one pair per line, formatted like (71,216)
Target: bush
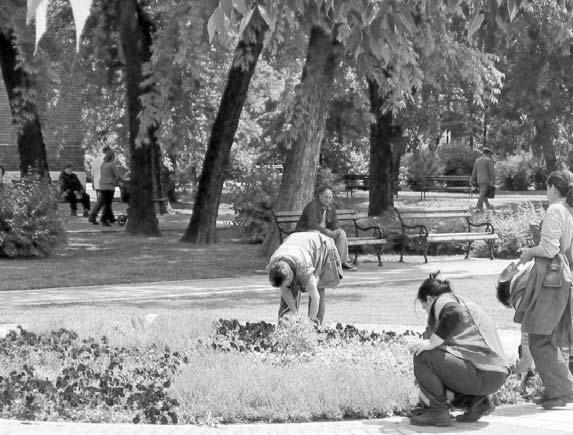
(458,158)
(513,173)
(252,198)
(537,176)
(512,227)
(421,163)
(29,225)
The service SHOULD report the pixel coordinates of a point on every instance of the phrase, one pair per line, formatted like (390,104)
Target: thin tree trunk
(31,146)
(135,49)
(380,170)
(543,143)
(202,226)
(313,98)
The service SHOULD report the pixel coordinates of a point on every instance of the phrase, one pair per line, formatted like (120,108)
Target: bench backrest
(286,220)
(433,214)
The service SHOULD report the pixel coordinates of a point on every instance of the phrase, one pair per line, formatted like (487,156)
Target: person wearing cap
(72,191)
(306,262)
(484,174)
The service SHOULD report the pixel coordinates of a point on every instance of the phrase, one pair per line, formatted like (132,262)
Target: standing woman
(463,355)
(545,312)
(109,176)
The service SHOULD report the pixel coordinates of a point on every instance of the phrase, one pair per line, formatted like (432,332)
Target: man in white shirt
(96,169)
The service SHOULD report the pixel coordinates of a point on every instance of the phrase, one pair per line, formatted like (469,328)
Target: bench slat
(461,237)
(436,215)
(354,241)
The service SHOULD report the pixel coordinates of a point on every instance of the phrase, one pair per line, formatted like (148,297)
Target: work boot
(480,407)
(432,417)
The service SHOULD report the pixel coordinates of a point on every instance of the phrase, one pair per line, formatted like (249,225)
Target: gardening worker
(484,174)
(546,312)
(305,262)
(462,354)
(320,215)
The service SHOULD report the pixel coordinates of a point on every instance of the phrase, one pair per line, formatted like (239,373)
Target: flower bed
(241,373)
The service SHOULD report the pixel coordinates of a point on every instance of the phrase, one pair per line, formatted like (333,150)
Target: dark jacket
(70,182)
(312,217)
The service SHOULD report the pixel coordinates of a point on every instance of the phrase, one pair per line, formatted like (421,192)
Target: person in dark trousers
(109,177)
(320,215)
(306,262)
(462,354)
(546,310)
(72,191)
(484,174)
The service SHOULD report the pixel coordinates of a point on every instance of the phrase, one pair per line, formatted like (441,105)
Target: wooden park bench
(414,225)
(354,182)
(286,222)
(446,183)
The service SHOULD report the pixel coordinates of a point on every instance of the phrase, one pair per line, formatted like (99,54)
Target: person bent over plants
(462,354)
(305,262)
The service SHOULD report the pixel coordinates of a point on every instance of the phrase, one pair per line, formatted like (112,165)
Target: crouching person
(306,262)
(462,355)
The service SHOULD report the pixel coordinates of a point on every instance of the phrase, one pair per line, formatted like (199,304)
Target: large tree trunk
(31,146)
(135,49)
(380,170)
(543,142)
(202,226)
(309,121)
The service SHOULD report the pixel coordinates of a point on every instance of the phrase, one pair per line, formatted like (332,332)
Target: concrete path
(517,419)
(414,269)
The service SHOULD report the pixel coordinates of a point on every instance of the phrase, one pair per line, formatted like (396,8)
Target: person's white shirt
(96,171)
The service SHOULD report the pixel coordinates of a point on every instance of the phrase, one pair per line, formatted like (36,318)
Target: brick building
(62,132)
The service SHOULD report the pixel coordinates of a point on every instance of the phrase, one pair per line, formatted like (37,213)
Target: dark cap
(486,150)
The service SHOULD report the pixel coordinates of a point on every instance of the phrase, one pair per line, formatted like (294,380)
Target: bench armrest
(376,230)
(488,226)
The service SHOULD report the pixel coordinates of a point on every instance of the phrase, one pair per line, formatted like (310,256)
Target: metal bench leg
(468,250)
(491,244)
(426,246)
(378,251)
(355,256)
(403,248)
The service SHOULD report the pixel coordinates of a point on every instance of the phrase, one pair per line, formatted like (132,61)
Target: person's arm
(474,173)
(551,231)
(311,287)
(286,294)
(310,214)
(334,222)
(449,320)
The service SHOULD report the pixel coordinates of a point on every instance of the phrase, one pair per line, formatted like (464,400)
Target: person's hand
(426,345)
(525,255)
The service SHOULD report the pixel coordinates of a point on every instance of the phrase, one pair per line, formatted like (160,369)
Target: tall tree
(21,87)
(135,47)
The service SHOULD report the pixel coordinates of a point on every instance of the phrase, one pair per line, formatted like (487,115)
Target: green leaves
(475,24)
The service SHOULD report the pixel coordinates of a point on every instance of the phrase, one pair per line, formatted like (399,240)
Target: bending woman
(545,312)
(463,355)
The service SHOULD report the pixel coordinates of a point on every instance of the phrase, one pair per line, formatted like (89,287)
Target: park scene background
(221,112)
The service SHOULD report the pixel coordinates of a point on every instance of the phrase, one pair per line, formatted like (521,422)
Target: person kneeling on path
(320,215)
(306,262)
(462,354)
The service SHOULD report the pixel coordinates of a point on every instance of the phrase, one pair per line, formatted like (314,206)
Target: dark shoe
(348,266)
(93,221)
(73,213)
(481,406)
(418,410)
(432,417)
(554,402)
(86,213)
(105,223)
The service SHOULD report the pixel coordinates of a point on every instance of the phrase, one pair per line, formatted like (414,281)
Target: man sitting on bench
(72,191)
(320,215)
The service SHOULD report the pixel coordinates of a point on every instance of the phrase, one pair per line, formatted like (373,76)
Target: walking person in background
(109,177)
(462,354)
(96,169)
(546,312)
(484,174)
(72,191)
(320,215)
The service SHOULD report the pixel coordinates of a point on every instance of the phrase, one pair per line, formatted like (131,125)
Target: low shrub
(421,163)
(252,197)
(29,225)
(513,173)
(458,158)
